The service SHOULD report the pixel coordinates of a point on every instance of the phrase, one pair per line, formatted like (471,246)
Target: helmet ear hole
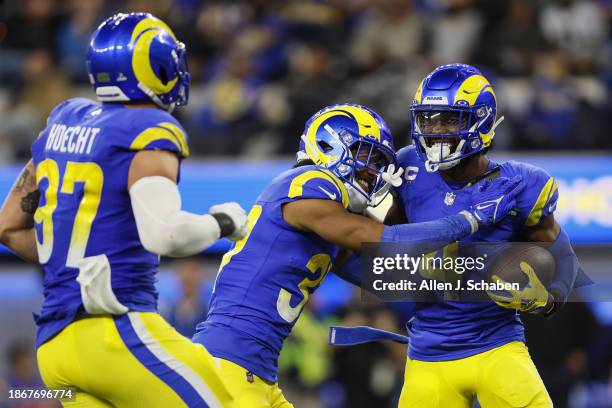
(163,75)
(326,147)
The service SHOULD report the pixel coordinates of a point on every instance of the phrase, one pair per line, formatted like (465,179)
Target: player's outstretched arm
(163,227)
(17,215)
(332,222)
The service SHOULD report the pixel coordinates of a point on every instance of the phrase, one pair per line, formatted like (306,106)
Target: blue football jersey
(82,159)
(265,281)
(451,330)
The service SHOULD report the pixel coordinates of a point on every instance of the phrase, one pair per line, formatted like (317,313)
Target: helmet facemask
(179,95)
(445,135)
(361,169)
(182,72)
(359,162)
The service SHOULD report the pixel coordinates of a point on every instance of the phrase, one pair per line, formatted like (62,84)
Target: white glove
(235,226)
(393,177)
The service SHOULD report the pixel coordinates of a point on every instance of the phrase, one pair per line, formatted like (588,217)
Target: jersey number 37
(90,174)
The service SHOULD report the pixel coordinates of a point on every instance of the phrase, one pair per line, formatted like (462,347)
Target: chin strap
(156,99)
(431,167)
(357,200)
(301,156)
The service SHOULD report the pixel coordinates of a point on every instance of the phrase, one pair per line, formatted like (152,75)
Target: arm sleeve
(538,201)
(163,227)
(567,267)
(423,237)
(350,270)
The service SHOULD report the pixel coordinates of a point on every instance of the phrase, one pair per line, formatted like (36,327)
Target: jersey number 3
(289,313)
(90,174)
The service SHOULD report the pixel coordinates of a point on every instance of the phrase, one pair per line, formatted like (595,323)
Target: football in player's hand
(513,264)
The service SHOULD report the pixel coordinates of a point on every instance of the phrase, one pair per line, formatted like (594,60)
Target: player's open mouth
(366,185)
(363,184)
(451,142)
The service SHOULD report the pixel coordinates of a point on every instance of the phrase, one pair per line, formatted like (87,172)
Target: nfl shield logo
(449,199)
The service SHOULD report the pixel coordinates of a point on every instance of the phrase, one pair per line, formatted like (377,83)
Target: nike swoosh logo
(552,207)
(485,205)
(330,195)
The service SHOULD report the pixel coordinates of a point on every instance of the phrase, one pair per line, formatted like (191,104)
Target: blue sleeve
(350,271)
(428,236)
(567,267)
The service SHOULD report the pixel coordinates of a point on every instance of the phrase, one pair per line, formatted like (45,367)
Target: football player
(458,350)
(96,207)
(296,230)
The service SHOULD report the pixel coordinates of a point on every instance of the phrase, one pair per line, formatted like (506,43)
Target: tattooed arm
(17,215)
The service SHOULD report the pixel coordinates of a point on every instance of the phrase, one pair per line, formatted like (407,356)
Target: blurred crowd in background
(260,68)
